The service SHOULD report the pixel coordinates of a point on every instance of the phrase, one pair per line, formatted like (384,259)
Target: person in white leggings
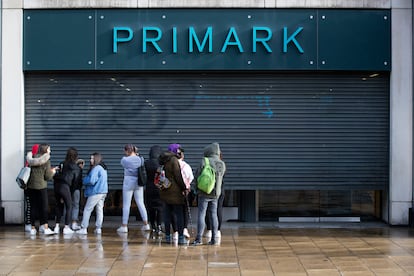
(131,162)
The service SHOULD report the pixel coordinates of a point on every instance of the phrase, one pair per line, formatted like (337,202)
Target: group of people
(168,206)
(67,181)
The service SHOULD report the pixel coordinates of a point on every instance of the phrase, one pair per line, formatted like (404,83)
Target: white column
(12,111)
(401,121)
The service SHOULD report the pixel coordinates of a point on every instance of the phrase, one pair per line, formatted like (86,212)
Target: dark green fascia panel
(296,39)
(354,39)
(59,40)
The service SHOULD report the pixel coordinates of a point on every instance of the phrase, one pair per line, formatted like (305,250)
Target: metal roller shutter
(281,131)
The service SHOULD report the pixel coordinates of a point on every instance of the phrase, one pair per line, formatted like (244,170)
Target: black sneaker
(167,238)
(213,242)
(197,242)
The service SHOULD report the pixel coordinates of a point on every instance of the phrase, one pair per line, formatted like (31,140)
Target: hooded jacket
(175,193)
(151,166)
(96,182)
(36,161)
(41,171)
(212,152)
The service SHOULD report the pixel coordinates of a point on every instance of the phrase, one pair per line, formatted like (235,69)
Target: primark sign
(232,39)
(207,39)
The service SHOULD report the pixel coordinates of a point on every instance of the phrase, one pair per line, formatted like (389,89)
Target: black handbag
(142,174)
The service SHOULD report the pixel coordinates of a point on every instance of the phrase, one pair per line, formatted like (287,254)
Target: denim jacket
(96,182)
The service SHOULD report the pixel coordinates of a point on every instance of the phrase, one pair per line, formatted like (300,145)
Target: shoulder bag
(142,173)
(23,177)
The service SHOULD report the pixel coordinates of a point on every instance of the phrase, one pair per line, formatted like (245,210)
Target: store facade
(301,99)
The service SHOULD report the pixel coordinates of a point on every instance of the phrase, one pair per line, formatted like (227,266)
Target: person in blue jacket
(96,189)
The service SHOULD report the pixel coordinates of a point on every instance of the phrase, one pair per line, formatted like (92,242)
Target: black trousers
(63,198)
(39,205)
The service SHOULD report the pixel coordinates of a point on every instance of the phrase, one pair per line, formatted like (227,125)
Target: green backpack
(206,181)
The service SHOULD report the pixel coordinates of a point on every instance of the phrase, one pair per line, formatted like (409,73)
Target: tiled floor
(246,249)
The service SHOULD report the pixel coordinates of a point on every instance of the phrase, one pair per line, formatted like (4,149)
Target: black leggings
(155,212)
(39,205)
(27,209)
(62,193)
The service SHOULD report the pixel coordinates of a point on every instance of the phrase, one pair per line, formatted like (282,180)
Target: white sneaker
(57,229)
(175,236)
(218,234)
(75,226)
(47,231)
(82,231)
(27,227)
(98,231)
(186,234)
(42,229)
(208,234)
(146,227)
(67,230)
(33,231)
(122,229)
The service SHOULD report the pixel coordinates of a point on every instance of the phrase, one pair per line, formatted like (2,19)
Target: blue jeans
(75,205)
(203,203)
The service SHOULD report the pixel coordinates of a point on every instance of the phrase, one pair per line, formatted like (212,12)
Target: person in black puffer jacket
(153,202)
(67,176)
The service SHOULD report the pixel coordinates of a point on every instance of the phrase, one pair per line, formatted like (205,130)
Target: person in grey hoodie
(212,152)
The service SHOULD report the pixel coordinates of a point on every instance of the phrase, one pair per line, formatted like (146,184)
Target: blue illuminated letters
(193,37)
(120,39)
(261,38)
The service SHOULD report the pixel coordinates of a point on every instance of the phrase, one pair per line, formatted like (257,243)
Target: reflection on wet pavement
(245,249)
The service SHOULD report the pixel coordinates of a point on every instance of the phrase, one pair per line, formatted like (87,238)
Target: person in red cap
(31,161)
(37,190)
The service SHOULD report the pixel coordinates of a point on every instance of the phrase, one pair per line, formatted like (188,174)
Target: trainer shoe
(82,231)
(168,238)
(67,230)
(98,231)
(182,240)
(218,234)
(197,242)
(213,242)
(208,234)
(33,231)
(159,231)
(122,229)
(41,228)
(186,234)
(75,226)
(146,227)
(28,228)
(47,231)
(175,236)
(56,229)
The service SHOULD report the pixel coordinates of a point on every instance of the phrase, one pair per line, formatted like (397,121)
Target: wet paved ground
(292,249)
